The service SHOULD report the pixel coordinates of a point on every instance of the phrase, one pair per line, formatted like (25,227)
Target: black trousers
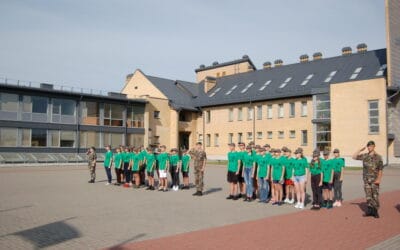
(127,172)
(174,175)
(316,189)
(142,174)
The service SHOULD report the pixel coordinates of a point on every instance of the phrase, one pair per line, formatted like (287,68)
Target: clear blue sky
(96,43)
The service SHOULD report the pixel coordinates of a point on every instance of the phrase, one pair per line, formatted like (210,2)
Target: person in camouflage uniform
(372,175)
(92,157)
(200,158)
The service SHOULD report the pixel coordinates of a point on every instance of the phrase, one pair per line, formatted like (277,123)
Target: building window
(250,111)
(240,114)
(304,138)
(323,136)
(281,134)
(280,110)
(323,106)
(230,115)
(259,135)
(135,116)
(330,76)
(89,138)
(156,114)
(230,91)
(307,79)
(249,136)
(373,114)
(230,138)
(216,140)
(265,85)
(215,92)
(64,139)
(25,137)
(285,82)
(38,137)
(35,104)
(8,137)
(304,110)
(138,139)
(8,102)
(113,139)
(292,109)
(269,135)
(64,107)
(240,137)
(200,139)
(90,113)
(292,134)
(259,112)
(381,70)
(113,114)
(247,87)
(208,140)
(269,111)
(355,73)
(208,116)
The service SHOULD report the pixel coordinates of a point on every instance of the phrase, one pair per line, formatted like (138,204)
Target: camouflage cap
(371,143)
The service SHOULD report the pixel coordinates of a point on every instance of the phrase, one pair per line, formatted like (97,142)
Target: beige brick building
(338,102)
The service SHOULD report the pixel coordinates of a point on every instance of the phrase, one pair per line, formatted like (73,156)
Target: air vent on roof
(304,58)
(346,51)
(245,57)
(202,66)
(267,65)
(215,63)
(362,47)
(278,62)
(317,56)
(46,86)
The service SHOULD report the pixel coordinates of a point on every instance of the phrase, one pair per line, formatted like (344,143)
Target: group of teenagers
(277,176)
(132,165)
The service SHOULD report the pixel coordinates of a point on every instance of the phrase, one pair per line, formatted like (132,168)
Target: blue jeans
(263,189)
(108,172)
(249,181)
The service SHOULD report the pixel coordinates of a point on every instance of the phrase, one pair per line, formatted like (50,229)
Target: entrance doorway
(184,140)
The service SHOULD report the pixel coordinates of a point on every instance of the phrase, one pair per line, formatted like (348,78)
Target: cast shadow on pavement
(49,234)
(212,190)
(398,207)
(361,205)
(121,246)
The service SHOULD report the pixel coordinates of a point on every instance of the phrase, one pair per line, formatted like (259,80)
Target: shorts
(232,177)
(135,172)
(276,181)
(239,176)
(185,174)
(162,173)
(299,179)
(289,182)
(327,185)
(150,173)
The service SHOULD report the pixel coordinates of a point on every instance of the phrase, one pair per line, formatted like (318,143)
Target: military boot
(375,213)
(368,212)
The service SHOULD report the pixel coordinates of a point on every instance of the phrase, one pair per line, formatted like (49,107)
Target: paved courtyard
(55,207)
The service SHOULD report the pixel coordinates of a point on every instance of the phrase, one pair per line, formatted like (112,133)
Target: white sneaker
(297,205)
(291,201)
(301,206)
(175,188)
(339,204)
(286,200)
(108,183)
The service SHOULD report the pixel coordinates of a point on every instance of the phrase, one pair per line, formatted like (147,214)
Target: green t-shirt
(263,166)
(277,168)
(300,166)
(107,159)
(185,162)
(126,157)
(248,160)
(118,160)
(150,160)
(315,168)
(288,163)
(327,168)
(135,161)
(338,164)
(173,160)
(162,159)
(233,158)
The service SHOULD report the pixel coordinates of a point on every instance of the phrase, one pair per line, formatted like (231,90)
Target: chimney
(215,63)
(267,65)
(46,86)
(304,58)
(346,51)
(317,56)
(202,66)
(245,57)
(278,62)
(209,83)
(361,48)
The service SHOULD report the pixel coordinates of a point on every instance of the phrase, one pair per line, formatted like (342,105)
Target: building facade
(45,120)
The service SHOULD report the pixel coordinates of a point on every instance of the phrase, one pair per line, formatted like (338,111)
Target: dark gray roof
(370,61)
(187,95)
(243,59)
